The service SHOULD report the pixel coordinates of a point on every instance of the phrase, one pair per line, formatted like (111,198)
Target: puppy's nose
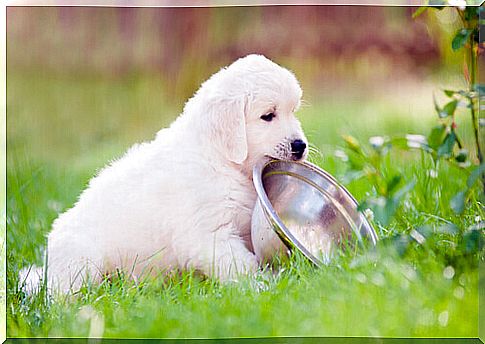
(298,148)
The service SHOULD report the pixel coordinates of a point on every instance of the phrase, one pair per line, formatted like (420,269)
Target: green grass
(62,129)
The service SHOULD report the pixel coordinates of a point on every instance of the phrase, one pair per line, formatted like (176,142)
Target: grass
(62,129)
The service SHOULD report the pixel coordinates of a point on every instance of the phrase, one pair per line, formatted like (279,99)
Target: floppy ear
(226,126)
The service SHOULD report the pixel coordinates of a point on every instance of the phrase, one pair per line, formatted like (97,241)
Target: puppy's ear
(226,122)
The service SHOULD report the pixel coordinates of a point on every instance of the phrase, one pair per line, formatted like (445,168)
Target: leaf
(384,214)
(352,175)
(449,109)
(446,149)
(356,161)
(462,155)
(404,190)
(352,143)
(400,142)
(436,106)
(472,178)
(380,208)
(436,137)
(391,184)
(450,93)
(457,203)
(472,241)
(384,208)
(460,39)
(471,13)
(419,11)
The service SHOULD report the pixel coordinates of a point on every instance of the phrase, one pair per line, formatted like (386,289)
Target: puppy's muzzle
(297,149)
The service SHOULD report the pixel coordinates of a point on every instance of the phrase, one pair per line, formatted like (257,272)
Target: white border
(221,3)
(3,173)
(120,3)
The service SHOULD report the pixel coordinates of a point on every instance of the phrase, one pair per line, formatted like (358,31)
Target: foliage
(442,142)
(389,185)
(444,137)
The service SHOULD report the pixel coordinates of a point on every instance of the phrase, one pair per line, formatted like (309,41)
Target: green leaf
(462,155)
(472,241)
(460,39)
(436,106)
(436,137)
(446,149)
(400,142)
(384,208)
(404,190)
(352,175)
(476,173)
(356,161)
(471,13)
(386,213)
(352,143)
(449,109)
(419,11)
(457,203)
(450,93)
(381,208)
(391,184)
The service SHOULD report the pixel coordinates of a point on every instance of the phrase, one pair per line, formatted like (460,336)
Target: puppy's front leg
(229,259)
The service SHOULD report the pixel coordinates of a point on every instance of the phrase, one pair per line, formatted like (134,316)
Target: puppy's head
(247,111)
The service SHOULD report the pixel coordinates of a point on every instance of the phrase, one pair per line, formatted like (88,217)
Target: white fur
(183,200)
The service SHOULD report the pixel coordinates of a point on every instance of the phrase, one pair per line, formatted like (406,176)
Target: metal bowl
(300,206)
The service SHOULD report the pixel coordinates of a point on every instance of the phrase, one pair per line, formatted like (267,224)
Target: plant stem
(458,141)
(473,51)
(475,130)
(473,62)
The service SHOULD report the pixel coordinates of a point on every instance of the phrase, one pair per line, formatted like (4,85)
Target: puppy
(184,200)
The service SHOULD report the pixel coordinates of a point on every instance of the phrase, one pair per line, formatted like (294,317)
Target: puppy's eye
(268,117)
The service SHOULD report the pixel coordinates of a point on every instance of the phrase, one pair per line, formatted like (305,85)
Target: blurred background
(84,83)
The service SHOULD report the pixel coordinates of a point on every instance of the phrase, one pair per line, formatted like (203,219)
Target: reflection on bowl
(301,206)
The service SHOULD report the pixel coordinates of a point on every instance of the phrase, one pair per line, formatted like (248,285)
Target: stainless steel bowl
(301,206)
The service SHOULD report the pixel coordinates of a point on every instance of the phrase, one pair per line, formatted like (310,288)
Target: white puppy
(184,200)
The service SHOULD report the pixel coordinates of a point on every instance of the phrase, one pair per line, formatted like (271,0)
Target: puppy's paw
(230,259)
(231,268)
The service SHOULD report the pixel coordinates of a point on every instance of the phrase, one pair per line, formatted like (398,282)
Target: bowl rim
(281,230)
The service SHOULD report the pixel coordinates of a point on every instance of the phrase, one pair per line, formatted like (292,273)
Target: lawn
(421,279)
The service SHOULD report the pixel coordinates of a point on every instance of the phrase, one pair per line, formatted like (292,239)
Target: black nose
(298,148)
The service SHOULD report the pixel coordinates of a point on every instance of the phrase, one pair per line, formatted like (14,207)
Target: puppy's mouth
(292,150)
